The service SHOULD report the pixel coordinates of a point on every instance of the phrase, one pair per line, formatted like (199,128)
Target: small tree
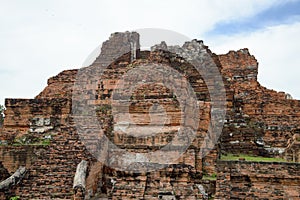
(2,108)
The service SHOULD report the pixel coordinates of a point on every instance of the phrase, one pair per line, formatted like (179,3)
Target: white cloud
(41,38)
(277,51)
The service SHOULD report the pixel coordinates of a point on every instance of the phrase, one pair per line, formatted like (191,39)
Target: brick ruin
(41,134)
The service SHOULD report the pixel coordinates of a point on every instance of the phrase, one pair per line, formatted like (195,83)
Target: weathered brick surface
(246,180)
(3,172)
(60,86)
(51,168)
(51,175)
(13,157)
(33,115)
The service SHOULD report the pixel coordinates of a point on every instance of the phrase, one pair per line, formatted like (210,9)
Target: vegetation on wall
(251,158)
(31,139)
(14,198)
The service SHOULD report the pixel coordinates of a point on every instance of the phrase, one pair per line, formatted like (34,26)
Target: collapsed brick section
(258,121)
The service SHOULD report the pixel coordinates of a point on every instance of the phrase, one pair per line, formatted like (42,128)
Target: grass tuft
(251,158)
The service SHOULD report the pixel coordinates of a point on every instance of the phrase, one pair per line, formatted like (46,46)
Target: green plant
(26,139)
(14,198)
(45,142)
(211,198)
(174,97)
(212,177)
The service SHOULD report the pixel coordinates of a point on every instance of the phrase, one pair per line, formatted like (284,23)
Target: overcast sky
(38,39)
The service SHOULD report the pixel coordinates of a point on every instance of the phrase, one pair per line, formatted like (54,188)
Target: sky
(39,39)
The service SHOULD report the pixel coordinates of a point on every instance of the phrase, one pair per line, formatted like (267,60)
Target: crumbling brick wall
(51,166)
(261,120)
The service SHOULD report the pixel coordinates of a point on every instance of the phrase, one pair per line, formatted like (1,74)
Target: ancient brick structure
(45,134)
